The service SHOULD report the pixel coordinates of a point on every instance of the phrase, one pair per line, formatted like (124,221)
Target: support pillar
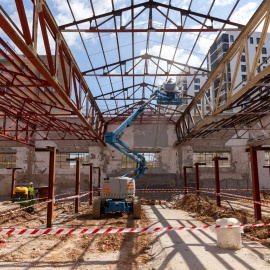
(197,177)
(77,189)
(91,184)
(13,179)
(51,187)
(99,180)
(217,181)
(185,177)
(255,182)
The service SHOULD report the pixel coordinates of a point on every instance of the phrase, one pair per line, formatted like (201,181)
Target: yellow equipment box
(20,191)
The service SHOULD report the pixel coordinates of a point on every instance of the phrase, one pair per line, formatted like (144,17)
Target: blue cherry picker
(118,193)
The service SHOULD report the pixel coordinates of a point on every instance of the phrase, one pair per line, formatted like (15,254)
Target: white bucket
(229,238)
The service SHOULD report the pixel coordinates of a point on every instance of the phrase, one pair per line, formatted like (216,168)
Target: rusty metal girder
(196,122)
(61,86)
(183,68)
(148,6)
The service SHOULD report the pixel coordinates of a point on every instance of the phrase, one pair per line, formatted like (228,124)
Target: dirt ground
(103,251)
(205,210)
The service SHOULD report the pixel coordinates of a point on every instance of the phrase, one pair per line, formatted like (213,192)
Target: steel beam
(255,183)
(91,189)
(217,181)
(77,183)
(152,30)
(185,178)
(197,164)
(235,99)
(91,175)
(13,179)
(53,81)
(99,180)
(50,206)
(149,5)
(77,190)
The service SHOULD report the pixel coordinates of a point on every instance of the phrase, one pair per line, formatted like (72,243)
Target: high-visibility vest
(31,189)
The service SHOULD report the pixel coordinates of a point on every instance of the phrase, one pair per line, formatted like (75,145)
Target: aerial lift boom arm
(113,138)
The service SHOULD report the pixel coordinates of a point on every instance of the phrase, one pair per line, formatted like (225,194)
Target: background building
(219,48)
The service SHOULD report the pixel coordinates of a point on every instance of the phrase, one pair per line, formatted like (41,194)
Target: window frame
(128,163)
(8,162)
(206,156)
(63,164)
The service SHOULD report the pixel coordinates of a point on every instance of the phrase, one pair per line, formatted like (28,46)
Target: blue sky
(82,9)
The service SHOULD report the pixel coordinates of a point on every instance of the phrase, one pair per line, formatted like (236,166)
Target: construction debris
(205,210)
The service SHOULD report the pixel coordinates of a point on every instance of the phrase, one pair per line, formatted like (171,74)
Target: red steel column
(99,180)
(255,182)
(217,181)
(185,179)
(51,187)
(91,184)
(13,181)
(197,179)
(77,200)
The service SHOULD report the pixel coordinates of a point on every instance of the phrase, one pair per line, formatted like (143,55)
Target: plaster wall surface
(35,165)
(142,138)
(236,176)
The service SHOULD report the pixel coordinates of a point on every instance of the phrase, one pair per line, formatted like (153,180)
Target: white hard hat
(31,183)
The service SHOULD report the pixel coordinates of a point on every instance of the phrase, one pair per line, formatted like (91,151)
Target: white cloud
(243,14)
(223,2)
(205,42)
(167,53)
(184,4)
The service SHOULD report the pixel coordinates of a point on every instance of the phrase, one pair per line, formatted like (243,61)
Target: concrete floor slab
(198,249)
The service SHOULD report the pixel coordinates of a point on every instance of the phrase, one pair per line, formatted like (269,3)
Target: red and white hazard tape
(235,196)
(72,197)
(23,208)
(164,190)
(19,202)
(246,189)
(261,203)
(37,199)
(48,201)
(72,193)
(161,191)
(149,189)
(34,232)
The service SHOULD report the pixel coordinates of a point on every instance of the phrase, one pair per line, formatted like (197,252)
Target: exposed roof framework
(250,98)
(128,63)
(147,22)
(35,108)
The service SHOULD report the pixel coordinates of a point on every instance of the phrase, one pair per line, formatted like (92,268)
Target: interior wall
(236,176)
(141,138)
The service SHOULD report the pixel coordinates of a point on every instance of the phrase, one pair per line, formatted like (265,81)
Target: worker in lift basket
(31,190)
